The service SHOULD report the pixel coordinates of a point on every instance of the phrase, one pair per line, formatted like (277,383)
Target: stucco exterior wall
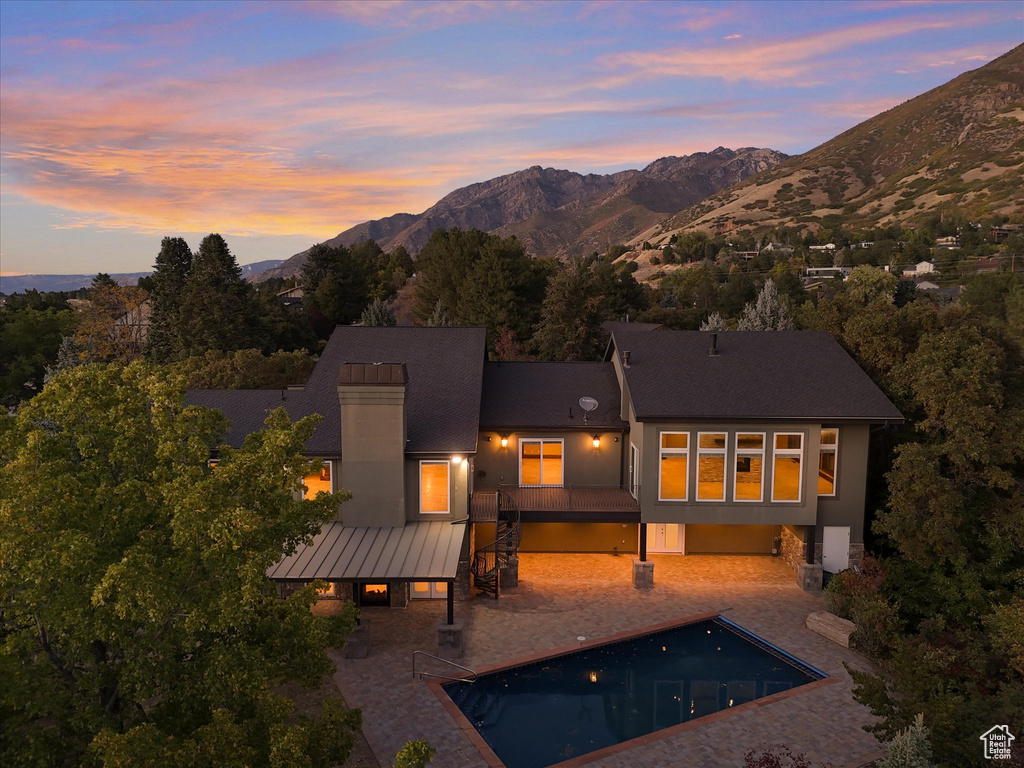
(847,507)
(458,489)
(570,537)
(582,464)
(729,512)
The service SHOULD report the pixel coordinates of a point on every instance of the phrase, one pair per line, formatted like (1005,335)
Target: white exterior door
(665,538)
(835,548)
(425,590)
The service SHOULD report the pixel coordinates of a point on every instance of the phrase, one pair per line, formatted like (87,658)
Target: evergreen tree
(165,286)
(713,323)
(570,327)
(768,313)
(217,309)
(439,317)
(490,295)
(378,312)
(336,281)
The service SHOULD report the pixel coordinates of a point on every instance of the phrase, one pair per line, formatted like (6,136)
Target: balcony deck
(583,503)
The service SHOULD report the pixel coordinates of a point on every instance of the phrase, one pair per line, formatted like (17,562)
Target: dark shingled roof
(442,397)
(757,374)
(530,394)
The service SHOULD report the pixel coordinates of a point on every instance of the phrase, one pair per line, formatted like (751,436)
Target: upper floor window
(828,454)
(673,464)
(748,484)
(319,481)
(787,470)
(711,466)
(434,487)
(540,462)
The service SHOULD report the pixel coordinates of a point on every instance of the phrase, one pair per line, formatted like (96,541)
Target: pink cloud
(785,60)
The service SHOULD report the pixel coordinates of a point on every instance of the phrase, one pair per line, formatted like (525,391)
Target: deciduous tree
(138,625)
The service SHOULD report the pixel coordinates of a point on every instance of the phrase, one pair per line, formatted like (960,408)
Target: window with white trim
(321,480)
(434,487)
(787,466)
(673,466)
(711,452)
(540,462)
(828,461)
(748,482)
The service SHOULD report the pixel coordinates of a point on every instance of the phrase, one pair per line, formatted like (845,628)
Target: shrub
(909,748)
(857,596)
(655,260)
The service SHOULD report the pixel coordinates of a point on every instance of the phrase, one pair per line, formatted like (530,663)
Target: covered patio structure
(375,565)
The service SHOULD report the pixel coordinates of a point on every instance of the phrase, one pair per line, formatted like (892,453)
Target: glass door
(665,538)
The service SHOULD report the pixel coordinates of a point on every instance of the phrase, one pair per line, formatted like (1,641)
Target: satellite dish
(588,404)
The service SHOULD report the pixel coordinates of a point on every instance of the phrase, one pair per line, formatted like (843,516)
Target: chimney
(625,359)
(714,345)
(372,401)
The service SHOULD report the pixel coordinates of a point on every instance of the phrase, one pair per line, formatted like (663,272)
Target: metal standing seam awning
(420,551)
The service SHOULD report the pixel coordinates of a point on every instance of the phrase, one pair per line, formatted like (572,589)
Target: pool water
(542,713)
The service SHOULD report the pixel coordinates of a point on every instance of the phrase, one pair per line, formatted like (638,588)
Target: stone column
(451,640)
(809,576)
(643,574)
(510,573)
(398,594)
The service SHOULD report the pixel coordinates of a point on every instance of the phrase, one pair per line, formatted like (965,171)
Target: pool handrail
(470,679)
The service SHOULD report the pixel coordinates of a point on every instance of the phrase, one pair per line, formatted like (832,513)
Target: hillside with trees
(960,145)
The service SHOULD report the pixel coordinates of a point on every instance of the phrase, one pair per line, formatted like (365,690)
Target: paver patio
(561,597)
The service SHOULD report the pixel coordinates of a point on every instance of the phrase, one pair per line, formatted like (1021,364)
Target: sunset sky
(281,124)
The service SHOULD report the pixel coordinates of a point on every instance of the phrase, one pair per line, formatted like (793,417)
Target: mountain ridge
(559,212)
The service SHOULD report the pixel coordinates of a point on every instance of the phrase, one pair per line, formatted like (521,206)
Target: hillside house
(951,242)
(921,268)
(677,442)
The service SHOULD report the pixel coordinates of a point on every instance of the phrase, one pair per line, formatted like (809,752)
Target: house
(1000,234)
(291,298)
(132,327)
(980,266)
(778,248)
(828,272)
(677,442)
(825,247)
(951,243)
(921,268)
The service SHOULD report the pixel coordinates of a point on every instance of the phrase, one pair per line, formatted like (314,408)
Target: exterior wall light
(504,442)
(597,441)
(456,459)
(593,677)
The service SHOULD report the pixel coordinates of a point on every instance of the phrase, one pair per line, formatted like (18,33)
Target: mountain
(960,143)
(20,283)
(558,212)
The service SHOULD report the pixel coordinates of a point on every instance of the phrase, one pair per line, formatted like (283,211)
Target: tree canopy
(138,626)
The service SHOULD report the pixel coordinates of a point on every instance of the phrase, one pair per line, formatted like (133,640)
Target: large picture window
(320,481)
(748,483)
(828,456)
(540,462)
(675,454)
(787,472)
(434,487)
(711,466)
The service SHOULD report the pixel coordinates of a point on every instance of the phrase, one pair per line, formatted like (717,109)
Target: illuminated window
(711,466)
(328,591)
(434,487)
(675,454)
(828,454)
(748,483)
(786,470)
(317,482)
(540,462)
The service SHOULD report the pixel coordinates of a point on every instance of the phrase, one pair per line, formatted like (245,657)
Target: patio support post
(451,603)
(643,542)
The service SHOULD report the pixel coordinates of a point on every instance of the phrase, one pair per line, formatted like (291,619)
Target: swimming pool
(544,712)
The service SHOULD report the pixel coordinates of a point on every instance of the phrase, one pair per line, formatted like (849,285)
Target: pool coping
(492,759)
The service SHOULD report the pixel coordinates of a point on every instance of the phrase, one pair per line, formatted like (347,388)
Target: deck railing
(574,497)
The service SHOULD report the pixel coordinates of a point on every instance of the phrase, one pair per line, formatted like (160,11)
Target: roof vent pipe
(714,345)
(625,359)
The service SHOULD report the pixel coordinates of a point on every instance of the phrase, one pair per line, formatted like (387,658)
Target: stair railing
(488,559)
(418,674)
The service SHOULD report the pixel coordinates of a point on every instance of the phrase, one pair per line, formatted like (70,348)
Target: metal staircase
(490,559)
